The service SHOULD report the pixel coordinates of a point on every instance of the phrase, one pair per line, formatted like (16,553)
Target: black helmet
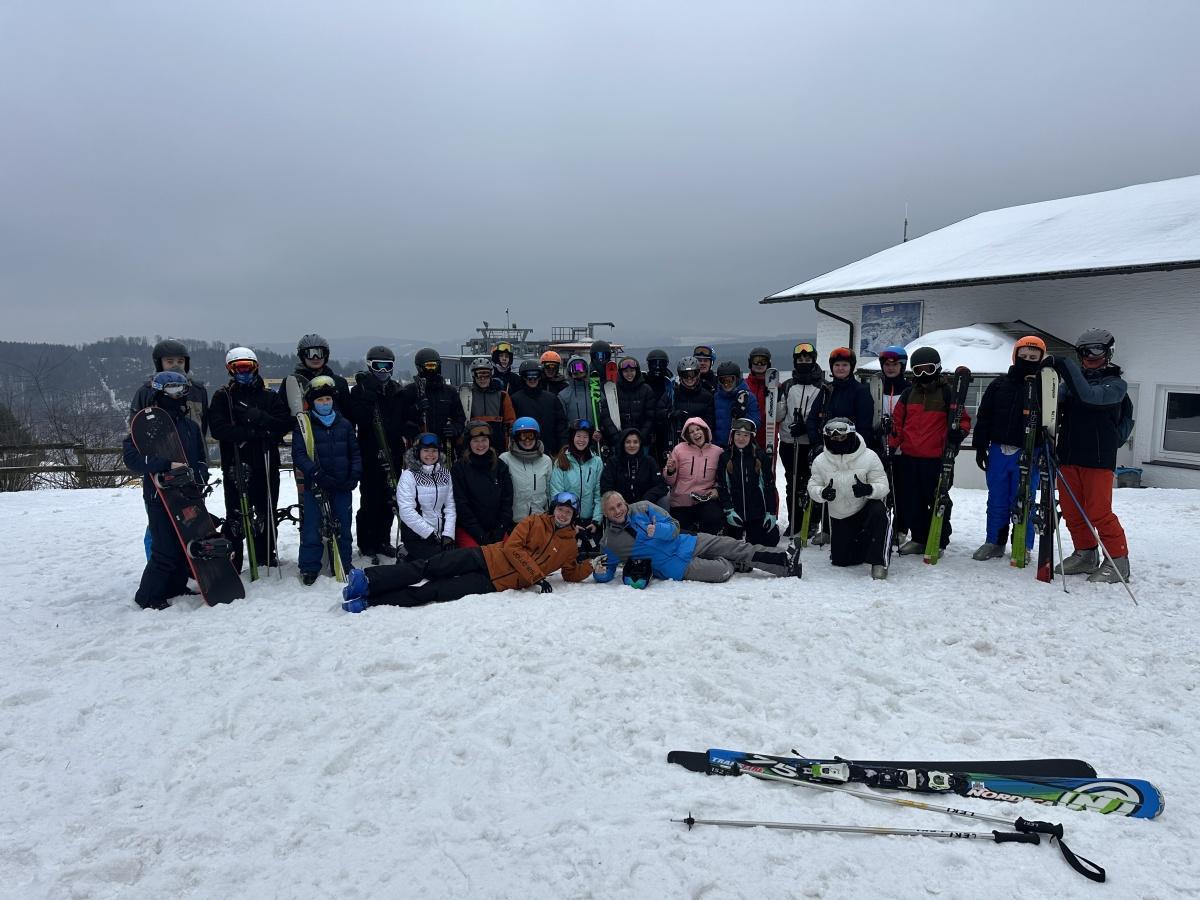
(529,367)
(657,363)
(759,351)
(727,368)
(637,571)
(311,342)
(171,347)
(380,352)
(600,351)
(428,362)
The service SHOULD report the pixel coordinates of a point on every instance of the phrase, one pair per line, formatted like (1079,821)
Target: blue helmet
(173,384)
(526,423)
(565,498)
(895,351)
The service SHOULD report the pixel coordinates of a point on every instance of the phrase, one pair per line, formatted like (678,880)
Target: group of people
(669,477)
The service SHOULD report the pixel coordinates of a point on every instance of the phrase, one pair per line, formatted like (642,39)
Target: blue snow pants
(1003,476)
(310,529)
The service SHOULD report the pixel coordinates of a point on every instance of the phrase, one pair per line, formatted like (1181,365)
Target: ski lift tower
(568,339)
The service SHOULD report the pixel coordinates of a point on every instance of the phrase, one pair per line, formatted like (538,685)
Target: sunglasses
(1092,351)
(242,366)
(550,368)
(382,365)
(316,353)
(175,390)
(926,369)
(760,361)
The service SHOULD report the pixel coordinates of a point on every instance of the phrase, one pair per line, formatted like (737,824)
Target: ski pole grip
(1028,827)
(1008,837)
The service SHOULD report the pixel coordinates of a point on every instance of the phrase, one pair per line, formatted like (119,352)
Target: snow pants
(311,544)
(167,571)
(860,538)
(263,513)
(373,521)
(1003,479)
(715,555)
(452,575)
(1093,489)
(916,495)
(701,518)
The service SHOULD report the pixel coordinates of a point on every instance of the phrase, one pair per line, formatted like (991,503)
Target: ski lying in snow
(1132,797)
(698,761)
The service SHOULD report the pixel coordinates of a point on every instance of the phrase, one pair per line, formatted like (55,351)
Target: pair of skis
(941,500)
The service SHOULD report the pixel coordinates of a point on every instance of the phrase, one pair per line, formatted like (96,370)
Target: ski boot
(357,585)
(309,578)
(911,548)
(1112,571)
(820,539)
(879,573)
(387,550)
(988,551)
(1081,562)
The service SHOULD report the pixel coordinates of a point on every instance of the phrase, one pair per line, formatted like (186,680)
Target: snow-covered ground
(514,745)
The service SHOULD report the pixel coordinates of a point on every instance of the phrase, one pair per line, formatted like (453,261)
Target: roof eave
(991,279)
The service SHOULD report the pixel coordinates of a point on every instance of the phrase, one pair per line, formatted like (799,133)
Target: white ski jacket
(841,469)
(425,496)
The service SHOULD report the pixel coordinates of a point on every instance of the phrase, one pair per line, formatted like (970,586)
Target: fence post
(81,455)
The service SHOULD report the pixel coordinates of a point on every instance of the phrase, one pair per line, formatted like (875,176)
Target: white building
(1127,260)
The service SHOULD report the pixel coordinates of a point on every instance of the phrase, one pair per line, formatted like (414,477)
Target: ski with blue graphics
(1018,780)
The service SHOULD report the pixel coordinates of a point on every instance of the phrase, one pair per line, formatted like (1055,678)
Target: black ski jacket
(1001,415)
(538,403)
(637,477)
(745,483)
(841,397)
(430,405)
(193,449)
(696,402)
(254,418)
(367,395)
(483,497)
(636,402)
(1095,415)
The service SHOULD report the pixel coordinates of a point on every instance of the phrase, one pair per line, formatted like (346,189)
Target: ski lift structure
(564,340)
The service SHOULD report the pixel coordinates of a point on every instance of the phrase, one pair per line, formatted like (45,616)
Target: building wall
(1154,316)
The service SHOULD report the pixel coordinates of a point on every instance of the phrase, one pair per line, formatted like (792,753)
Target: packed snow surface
(1139,225)
(514,745)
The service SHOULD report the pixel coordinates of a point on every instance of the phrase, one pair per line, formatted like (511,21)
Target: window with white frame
(1181,422)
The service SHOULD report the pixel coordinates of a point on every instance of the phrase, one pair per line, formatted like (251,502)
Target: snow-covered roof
(984,349)
(1145,226)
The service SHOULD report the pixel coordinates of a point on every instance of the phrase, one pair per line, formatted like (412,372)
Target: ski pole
(1052,474)
(999,837)
(1084,867)
(1096,534)
(271,524)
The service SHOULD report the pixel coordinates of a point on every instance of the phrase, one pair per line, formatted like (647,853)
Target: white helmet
(238,353)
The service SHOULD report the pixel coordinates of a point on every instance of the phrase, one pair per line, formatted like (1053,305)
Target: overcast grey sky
(262,169)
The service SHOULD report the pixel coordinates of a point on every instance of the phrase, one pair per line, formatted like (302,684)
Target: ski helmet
(428,362)
(1095,343)
(171,384)
(836,434)
(529,367)
(321,386)
(843,354)
(637,572)
(657,363)
(578,425)
(309,343)
(629,362)
(526,423)
(729,368)
(481,364)
(687,364)
(501,347)
(551,365)
(743,425)
(565,498)
(1030,340)
(380,352)
(804,348)
(550,357)
(241,363)
(894,352)
(170,347)
(758,352)
(705,351)
(923,357)
(600,351)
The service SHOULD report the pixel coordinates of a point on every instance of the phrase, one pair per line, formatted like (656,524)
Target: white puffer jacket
(841,469)
(425,496)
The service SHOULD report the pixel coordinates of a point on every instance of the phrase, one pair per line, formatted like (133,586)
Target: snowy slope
(514,745)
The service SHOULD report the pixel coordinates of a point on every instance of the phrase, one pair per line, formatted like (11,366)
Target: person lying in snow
(540,545)
(645,531)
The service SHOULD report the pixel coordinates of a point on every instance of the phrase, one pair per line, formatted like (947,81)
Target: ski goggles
(745,426)
(837,430)
(582,425)
(242,367)
(533,375)
(550,368)
(528,433)
(759,361)
(432,366)
(427,440)
(315,353)
(689,374)
(926,369)
(176,389)
(628,364)
(1092,351)
(504,347)
(803,349)
(381,365)
(891,356)
(704,352)
(726,381)
(577,368)
(480,430)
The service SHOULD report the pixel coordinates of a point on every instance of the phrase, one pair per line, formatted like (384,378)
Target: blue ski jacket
(725,401)
(669,551)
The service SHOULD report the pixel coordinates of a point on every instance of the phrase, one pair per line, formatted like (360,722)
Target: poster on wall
(884,324)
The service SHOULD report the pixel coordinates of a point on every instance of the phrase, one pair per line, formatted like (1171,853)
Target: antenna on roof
(904,239)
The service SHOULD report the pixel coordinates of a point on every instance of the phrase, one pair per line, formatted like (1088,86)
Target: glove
(734,520)
(770,521)
(829,493)
(155,464)
(860,489)
(545,587)
(448,431)
(797,428)
(255,416)
(327,481)
(447,542)
(981,458)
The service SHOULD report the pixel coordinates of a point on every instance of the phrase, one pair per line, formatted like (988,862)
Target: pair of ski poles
(1023,831)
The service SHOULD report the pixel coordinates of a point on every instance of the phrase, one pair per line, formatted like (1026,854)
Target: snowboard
(209,555)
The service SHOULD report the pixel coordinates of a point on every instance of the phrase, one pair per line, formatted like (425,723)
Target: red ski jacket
(921,419)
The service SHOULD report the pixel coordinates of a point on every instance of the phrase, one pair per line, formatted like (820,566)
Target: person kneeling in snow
(539,546)
(850,478)
(645,531)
